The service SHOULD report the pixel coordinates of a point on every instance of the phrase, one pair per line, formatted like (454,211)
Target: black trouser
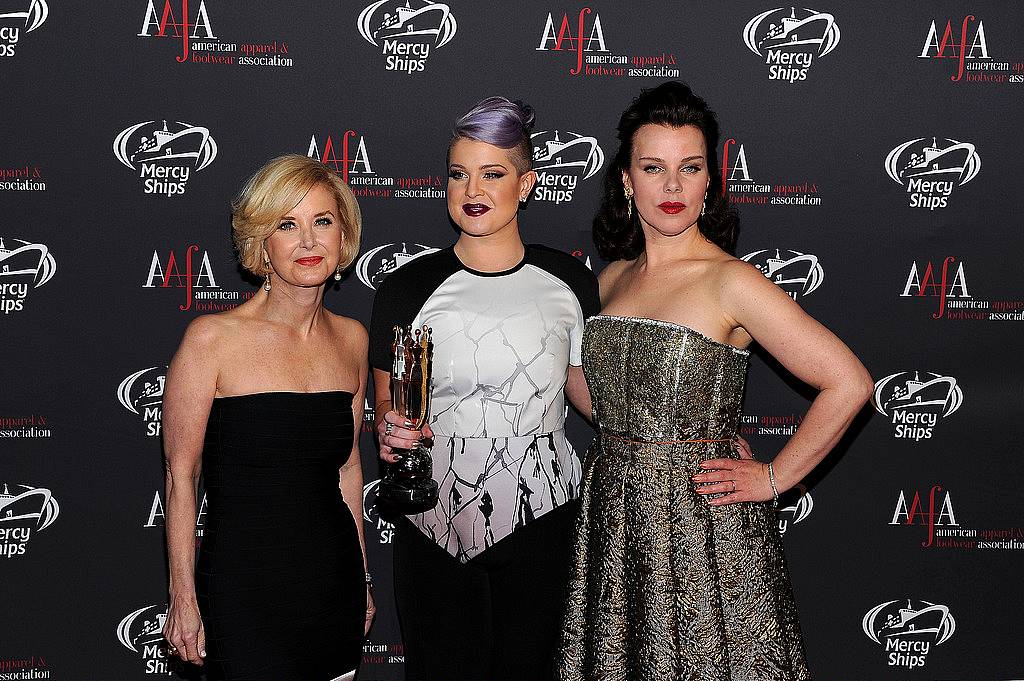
(496,618)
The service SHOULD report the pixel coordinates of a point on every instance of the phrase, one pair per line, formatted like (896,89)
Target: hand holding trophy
(408,485)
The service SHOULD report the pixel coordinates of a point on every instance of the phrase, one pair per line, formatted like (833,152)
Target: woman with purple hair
(480,578)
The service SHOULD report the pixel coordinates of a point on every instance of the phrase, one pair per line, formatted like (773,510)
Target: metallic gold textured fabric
(665,587)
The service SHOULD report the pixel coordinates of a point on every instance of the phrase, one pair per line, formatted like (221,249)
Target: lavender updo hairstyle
(504,123)
(619,236)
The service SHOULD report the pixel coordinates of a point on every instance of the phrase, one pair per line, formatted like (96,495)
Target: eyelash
(489,175)
(322,222)
(690,168)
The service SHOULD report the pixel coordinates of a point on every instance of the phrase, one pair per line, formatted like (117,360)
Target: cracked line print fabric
(665,587)
(503,343)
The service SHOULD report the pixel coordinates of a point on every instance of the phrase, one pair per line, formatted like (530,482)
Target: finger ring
(388,427)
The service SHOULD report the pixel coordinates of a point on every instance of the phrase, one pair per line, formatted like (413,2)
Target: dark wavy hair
(619,237)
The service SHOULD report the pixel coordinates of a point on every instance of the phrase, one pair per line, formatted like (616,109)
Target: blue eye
(324,221)
(652,169)
(288,224)
(691,169)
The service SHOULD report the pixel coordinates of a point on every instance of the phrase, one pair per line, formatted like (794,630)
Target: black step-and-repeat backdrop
(872,148)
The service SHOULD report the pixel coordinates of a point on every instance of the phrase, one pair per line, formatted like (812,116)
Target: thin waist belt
(623,438)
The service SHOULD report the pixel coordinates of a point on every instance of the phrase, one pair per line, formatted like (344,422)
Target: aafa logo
(797,511)
(184,28)
(354,159)
(561,160)
(582,41)
(790,43)
(142,633)
(931,171)
(406,33)
(24,267)
(798,274)
(23,512)
(939,512)
(385,530)
(956,47)
(14,21)
(197,275)
(157,516)
(165,158)
(949,284)
(142,393)
(915,401)
(376,264)
(907,629)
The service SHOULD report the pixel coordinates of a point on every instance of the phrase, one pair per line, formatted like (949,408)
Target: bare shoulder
(611,273)
(208,332)
(737,277)
(351,331)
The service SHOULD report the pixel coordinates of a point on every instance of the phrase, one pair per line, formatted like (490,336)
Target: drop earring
(266,263)
(266,284)
(704,205)
(337,273)
(629,205)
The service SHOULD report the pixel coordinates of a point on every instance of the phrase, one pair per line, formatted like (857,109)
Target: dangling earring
(629,205)
(704,205)
(266,263)
(337,273)
(266,284)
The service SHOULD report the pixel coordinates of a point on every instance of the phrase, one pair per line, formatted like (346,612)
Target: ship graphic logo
(798,274)
(906,619)
(419,20)
(142,390)
(917,391)
(370,513)
(797,511)
(949,161)
(34,16)
(177,143)
(23,262)
(781,28)
(574,152)
(31,506)
(142,628)
(376,264)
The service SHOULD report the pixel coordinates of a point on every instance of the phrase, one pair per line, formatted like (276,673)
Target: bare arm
(814,355)
(351,473)
(188,394)
(577,391)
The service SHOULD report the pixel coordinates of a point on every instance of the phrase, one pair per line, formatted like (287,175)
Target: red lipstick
(671,207)
(474,210)
(311,261)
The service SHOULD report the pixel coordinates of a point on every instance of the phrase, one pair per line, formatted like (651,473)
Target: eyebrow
(483,167)
(655,158)
(318,215)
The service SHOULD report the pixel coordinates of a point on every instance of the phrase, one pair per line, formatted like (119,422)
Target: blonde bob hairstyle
(276,189)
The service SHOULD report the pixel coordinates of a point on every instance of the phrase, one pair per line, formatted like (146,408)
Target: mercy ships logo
(376,264)
(23,512)
(23,266)
(407,31)
(798,274)
(789,43)
(15,17)
(142,393)
(797,511)
(907,630)
(915,401)
(561,160)
(142,633)
(930,172)
(166,155)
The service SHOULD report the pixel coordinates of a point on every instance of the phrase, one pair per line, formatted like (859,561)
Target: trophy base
(407,496)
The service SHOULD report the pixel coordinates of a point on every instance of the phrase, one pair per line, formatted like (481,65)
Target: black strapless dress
(279,577)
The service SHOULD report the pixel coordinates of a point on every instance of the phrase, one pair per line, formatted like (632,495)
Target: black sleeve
(401,296)
(580,279)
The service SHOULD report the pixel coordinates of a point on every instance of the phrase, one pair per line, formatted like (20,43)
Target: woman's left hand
(737,480)
(371,609)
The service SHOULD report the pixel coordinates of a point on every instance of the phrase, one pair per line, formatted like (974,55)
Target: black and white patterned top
(503,343)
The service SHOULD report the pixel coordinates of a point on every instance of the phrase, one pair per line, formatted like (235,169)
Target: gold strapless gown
(665,587)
